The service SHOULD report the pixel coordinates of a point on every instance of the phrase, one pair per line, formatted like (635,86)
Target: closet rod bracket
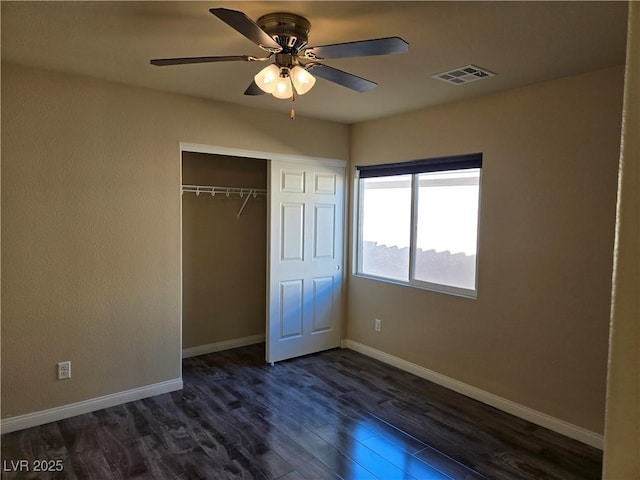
(245,203)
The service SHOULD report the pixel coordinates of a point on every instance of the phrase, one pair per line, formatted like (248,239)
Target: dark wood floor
(337,414)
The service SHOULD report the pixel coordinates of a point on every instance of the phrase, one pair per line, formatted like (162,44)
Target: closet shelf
(226,191)
(215,190)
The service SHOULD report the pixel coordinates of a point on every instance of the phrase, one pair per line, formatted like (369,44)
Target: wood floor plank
(90,464)
(328,416)
(404,459)
(333,457)
(377,464)
(299,458)
(447,465)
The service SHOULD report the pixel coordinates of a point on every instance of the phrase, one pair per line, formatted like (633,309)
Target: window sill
(444,289)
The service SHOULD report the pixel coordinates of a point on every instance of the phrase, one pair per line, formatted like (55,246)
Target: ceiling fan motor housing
(289,30)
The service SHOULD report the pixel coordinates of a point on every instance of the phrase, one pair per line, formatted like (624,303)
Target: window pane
(386,231)
(447,226)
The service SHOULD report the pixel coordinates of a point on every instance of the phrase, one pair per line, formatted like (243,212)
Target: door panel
(292,182)
(291,303)
(325,183)
(322,304)
(324,231)
(292,235)
(305,258)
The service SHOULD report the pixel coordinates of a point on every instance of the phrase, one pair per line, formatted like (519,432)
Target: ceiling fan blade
(254,89)
(161,62)
(247,27)
(362,48)
(345,79)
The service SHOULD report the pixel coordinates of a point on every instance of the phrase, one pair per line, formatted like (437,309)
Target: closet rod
(213,190)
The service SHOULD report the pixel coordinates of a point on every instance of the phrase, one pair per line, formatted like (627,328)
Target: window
(418,223)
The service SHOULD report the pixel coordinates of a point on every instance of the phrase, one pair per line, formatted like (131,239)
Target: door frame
(268,156)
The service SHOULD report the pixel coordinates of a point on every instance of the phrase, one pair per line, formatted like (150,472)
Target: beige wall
(224,258)
(91,226)
(537,333)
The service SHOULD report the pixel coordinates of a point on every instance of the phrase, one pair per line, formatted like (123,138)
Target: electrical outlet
(378,325)
(64,370)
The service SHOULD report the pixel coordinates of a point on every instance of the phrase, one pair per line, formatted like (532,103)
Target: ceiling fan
(284,36)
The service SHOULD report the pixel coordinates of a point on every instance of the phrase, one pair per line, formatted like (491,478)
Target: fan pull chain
(293,99)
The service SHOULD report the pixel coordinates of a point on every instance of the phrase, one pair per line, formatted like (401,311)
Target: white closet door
(306,230)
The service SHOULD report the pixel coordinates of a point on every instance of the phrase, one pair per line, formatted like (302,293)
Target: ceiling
(522,42)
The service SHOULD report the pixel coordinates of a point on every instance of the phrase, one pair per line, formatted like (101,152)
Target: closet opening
(224,252)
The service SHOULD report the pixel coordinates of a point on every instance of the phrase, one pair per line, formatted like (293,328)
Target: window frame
(442,164)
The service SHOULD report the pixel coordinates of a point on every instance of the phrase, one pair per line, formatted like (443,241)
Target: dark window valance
(457,162)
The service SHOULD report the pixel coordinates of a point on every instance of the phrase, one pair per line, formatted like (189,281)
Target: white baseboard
(28,420)
(560,426)
(220,346)
(86,406)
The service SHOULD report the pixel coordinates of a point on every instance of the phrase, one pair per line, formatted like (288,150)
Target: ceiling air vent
(462,75)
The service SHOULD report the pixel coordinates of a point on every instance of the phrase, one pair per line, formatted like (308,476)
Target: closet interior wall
(224,257)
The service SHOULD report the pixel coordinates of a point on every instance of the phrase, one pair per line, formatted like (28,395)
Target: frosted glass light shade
(267,78)
(303,81)
(283,88)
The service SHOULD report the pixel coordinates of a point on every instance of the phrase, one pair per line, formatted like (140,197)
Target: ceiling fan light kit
(284,89)
(278,80)
(302,80)
(284,36)
(267,77)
